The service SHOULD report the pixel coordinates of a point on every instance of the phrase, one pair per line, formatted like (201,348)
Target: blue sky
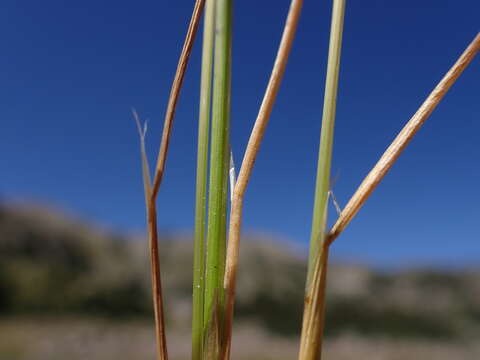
(71,71)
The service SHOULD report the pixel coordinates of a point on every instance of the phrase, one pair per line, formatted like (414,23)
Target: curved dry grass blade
(401,141)
(247,166)
(157,298)
(151,192)
(174,93)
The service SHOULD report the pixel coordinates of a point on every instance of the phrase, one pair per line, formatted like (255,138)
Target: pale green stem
(312,329)
(326,138)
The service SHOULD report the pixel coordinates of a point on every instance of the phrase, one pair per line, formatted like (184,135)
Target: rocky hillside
(50,264)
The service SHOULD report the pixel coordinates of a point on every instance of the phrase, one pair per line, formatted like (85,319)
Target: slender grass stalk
(251,152)
(326,140)
(201,186)
(313,317)
(153,246)
(402,140)
(174,94)
(218,184)
(151,191)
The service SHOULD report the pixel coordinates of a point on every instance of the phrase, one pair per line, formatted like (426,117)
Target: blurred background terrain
(69,289)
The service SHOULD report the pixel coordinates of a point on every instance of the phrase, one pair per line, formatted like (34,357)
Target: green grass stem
(312,329)
(218,184)
(201,181)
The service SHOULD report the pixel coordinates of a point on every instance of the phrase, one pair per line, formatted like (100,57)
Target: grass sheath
(218,183)
(313,317)
(201,182)
(401,141)
(159,316)
(247,166)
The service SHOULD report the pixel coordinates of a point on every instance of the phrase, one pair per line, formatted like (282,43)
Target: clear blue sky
(71,71)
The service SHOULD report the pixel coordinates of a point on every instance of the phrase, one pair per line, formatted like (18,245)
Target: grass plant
(215,259)
(151,189)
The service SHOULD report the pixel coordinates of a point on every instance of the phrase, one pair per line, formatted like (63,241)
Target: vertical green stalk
(313,318)
(217,201)
(201,183)
(326,137)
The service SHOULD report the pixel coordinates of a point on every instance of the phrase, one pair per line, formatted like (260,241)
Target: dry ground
(82,339)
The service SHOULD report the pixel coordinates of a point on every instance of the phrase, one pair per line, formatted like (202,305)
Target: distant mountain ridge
(50,263)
